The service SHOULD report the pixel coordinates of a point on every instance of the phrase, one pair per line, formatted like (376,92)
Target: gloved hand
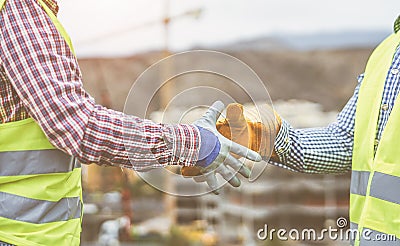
(254,135)
(207,171)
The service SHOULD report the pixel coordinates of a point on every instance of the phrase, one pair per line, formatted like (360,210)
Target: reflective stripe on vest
(359,182)
(34,162)
(372,237)
(38,211)
(40,187)
(383,186)
(375,182)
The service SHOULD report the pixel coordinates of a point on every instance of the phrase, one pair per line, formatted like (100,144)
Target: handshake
(223,142)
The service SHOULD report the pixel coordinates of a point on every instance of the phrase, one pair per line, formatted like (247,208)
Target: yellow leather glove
(253,135)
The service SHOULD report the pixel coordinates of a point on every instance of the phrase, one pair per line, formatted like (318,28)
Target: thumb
(214,111)
(234,115)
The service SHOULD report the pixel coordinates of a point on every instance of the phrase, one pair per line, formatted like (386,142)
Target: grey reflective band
(359,182)
(29,162)
(370,237)
(353,226)
(74,163)
(39,211)
(385,187)
(353,232)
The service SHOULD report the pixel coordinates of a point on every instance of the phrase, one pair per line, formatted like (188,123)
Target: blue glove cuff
(209,149)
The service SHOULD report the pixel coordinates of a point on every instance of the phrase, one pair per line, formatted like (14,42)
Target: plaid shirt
(40,78)
(330,149)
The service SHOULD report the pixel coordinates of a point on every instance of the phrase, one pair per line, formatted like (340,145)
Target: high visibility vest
(40,186)
(375,181)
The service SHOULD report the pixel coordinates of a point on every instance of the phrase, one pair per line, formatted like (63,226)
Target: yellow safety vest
(375,181)
(40,186)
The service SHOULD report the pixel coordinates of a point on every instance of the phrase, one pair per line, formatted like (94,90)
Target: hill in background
(318,68)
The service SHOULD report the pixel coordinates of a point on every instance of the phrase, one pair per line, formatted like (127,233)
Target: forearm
(320,150)
(114,138)
(314,150)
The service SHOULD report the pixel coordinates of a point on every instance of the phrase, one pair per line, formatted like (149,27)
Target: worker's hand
(256,136)
(204,171)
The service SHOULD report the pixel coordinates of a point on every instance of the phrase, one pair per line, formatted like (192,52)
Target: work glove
(224,162)
(254,135)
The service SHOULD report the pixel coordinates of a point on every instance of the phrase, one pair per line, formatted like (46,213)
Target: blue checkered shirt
(329,149)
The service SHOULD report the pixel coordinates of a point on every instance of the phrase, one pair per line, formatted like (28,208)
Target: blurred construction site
(309,81)
(281,198)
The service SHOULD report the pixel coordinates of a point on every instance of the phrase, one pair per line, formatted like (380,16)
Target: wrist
(282,143)
(274,156)
(182,143)
(209,147)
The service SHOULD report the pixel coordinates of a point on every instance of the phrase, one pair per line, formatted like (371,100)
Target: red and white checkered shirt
(40,78)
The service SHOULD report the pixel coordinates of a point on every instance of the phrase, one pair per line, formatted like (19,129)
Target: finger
(229,176)
(240,150)
(214,111)
(211,180)
(199,179)
(237,166)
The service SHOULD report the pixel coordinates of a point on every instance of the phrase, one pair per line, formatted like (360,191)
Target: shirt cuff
(282,142)
(185,141)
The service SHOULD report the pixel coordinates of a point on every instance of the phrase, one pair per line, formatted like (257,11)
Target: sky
(124,27)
